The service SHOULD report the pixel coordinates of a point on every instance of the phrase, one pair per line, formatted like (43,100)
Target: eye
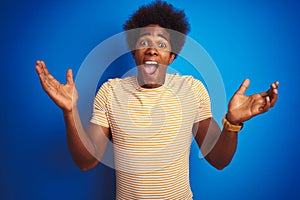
(162,45)
(144,43)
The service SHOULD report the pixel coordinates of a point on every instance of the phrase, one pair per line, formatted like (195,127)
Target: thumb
(69,76)
(243,87)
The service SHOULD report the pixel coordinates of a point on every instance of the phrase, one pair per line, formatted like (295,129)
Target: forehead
(154,30)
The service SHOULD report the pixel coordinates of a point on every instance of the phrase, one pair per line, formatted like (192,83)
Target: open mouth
(150,67)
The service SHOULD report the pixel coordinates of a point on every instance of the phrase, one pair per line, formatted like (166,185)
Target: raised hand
(242,108)
(64,95)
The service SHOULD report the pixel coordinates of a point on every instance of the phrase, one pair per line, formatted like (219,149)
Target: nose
(151,51)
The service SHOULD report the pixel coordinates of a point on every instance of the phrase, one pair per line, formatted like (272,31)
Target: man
(150,117)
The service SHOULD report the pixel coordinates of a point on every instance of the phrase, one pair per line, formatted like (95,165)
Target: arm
(218,147)
(86,146)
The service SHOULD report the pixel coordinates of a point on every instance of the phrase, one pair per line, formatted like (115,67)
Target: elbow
(218,164)
(86,166)
(222,165)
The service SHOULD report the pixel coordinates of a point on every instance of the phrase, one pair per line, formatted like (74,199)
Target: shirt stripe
(152,134)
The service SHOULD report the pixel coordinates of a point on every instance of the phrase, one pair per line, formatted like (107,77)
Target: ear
(172,57)
(133,53)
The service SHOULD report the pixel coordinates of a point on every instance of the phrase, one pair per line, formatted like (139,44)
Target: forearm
(224,149)
(218,147)
(80,144)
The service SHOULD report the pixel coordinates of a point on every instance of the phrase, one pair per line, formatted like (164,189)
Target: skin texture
(153,45)
(217,145)
(86,146)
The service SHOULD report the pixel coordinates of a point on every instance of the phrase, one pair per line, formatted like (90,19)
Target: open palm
(64,95)
(242,108)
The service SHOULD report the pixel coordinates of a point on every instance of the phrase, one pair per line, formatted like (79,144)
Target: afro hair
(162,14)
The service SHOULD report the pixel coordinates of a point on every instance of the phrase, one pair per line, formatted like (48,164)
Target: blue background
(258,39)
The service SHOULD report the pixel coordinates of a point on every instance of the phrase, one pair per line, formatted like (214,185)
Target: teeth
(151,62)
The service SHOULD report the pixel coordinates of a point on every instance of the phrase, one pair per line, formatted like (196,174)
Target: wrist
(231,119)
(69,112)
(231,126)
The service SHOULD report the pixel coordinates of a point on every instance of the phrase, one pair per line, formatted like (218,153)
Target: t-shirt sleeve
(100,111)
(203,101)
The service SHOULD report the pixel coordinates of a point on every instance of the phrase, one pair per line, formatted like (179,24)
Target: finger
(48,82)
(44,68)
(262,106)
(242,89)
(264,94)
(40,71)
(275,84)
(273,93)
(274,97)
(46,73)
(38,67)
(267,105)
(38,64)
(275,87)
(69,76)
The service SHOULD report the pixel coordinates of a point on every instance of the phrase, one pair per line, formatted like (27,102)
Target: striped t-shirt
(152,133)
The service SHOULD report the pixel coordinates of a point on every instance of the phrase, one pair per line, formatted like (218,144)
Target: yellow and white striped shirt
(152,133)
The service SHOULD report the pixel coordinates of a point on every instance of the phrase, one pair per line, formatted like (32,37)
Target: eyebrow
(159,35)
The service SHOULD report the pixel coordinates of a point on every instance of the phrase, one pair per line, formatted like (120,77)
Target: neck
(151,86)
(148,83)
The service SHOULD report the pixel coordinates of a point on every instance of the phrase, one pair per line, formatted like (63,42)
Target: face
(152,56)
